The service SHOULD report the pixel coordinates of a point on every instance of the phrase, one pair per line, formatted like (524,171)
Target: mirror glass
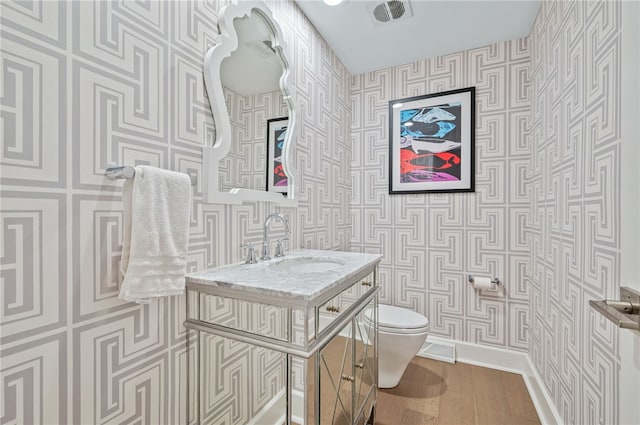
(247,75)
(257,111)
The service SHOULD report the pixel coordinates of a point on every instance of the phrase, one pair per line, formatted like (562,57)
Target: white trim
(481,355)
(541,398)
(630,146)
(629,341)
(508,361)
(297,415)
(272,412)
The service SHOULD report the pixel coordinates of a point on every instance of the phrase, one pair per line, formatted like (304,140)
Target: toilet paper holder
(495,280)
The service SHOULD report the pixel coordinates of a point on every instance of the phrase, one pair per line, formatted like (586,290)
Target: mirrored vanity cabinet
(291,340)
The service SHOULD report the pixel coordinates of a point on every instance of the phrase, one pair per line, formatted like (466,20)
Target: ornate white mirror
(247,80)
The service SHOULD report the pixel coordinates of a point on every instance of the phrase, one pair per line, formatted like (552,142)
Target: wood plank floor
(433,392)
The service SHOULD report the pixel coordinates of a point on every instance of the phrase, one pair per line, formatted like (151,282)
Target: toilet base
(394,354)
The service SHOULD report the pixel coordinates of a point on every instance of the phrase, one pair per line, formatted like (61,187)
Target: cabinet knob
(333,309)
(360,365)
(348,378)
(365,283)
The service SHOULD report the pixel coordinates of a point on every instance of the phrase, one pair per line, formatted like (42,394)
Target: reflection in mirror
(250,81)
(246,77)
(276,135)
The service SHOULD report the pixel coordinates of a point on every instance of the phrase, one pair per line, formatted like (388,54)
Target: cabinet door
(365,360)
(335,361)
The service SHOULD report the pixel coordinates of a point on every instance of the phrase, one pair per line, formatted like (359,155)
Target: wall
(574,232)
(94,84)
(431,242)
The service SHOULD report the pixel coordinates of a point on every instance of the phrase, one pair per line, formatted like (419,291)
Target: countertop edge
(228,288)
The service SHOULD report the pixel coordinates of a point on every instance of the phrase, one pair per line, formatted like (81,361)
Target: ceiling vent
(389,11)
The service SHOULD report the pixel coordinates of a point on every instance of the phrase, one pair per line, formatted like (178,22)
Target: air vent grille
(389,11)
(396,8)
(381,14)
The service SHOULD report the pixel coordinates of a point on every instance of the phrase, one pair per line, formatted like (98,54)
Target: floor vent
(438,351)
(389,11)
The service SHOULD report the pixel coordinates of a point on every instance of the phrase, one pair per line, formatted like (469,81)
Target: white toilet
(401,333)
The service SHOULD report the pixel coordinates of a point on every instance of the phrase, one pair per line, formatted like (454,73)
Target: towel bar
(129,172)
(625,313)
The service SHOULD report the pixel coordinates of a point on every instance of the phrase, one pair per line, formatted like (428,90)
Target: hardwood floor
(433,392)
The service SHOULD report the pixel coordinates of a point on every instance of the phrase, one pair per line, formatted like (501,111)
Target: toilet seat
(398,320)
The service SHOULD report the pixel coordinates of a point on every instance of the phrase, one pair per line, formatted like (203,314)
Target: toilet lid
(398,318)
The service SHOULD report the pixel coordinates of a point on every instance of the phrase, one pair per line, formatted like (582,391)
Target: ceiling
(436,28)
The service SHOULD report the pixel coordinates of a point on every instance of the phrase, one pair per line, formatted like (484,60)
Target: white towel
(157,204)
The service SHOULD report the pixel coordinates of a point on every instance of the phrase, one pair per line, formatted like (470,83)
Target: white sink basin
(307,265)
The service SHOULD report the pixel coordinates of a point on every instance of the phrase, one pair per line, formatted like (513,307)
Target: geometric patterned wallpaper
(575,199)
(87,85)
(431,242)
(244,165)
(238,379)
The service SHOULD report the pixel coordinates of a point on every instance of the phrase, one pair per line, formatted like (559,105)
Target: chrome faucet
(266,255)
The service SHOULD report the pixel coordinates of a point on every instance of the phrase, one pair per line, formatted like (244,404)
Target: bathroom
(554,212)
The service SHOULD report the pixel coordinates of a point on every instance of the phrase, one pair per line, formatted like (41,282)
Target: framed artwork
(431,143)
(276,132)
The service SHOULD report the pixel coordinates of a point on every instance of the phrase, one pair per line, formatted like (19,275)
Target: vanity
(288,340)
(311,315)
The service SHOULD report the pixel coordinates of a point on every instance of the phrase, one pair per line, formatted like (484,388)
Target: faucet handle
(279,248)
(251,253)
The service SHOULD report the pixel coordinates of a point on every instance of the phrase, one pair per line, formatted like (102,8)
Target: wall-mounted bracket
(625,313)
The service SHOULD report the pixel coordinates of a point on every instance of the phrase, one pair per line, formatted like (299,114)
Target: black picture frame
(432,143)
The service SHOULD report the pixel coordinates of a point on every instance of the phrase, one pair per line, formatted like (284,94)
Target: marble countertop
(263,279)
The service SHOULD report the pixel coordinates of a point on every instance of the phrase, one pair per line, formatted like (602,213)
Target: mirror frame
(212,155)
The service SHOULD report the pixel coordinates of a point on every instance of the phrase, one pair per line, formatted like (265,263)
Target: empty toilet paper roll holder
(495,280)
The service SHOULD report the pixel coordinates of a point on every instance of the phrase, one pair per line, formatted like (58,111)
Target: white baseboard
(273,412)
(297,412)
(541,398)
(508,361)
